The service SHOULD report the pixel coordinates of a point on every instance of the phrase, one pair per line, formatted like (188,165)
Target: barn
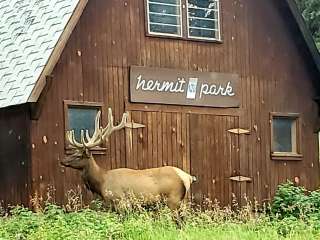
(227,90)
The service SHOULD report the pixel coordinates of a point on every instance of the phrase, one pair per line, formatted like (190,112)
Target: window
(285,136)
(203,19)
(193,19)
(80,116)
(164,17)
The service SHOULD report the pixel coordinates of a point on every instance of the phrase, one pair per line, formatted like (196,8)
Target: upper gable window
(193,19)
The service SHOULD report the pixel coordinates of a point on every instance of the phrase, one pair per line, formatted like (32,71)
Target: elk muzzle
(78,160)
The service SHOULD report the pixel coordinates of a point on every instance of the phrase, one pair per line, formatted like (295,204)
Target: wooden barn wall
(14,155)
(257,44)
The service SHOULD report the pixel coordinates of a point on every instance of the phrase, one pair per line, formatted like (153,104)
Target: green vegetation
(294,214)
(311,12)
(295,201)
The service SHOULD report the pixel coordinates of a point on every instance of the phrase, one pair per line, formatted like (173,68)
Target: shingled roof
(33,34)
(30,32)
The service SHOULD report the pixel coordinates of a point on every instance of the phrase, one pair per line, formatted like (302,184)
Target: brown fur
(115,184)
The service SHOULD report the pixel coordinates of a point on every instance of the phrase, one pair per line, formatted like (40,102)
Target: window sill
(184,38)
(286,156)
(95,151)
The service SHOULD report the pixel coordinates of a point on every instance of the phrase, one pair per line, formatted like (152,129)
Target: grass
(293,214)
(54,222)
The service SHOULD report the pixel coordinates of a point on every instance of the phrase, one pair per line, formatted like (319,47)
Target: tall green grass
(55,223)
(75,221)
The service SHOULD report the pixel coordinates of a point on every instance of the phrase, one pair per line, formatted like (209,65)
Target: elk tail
(194,179)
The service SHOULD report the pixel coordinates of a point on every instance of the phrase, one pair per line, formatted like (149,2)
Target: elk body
(113,185)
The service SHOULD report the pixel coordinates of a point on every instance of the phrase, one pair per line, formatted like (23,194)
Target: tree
(311,12)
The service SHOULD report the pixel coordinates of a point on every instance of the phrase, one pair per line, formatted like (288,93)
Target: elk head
(81,156)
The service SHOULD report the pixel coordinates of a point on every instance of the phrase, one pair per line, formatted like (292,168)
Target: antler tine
(95,140)
(83,141)
(110,127)
(87,135)
(96,126)
(123,122)
(68,137)
(96,129)
(74,141)
(110,122)
(71,139)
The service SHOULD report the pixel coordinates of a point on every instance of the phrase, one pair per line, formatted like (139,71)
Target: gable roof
(32,36)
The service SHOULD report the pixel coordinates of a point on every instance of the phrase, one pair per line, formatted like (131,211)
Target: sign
(178,87)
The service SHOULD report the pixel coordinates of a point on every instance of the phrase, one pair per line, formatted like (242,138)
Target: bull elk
(167,182)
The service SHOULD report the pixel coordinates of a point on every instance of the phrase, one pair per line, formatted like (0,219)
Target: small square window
(80,116)
(285,135)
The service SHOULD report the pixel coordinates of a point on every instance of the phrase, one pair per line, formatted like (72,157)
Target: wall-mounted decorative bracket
(240,179)
(134,125)
(239,131)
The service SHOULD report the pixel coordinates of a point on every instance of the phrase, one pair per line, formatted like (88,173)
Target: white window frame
(164,34)
(184,23)
(218,19)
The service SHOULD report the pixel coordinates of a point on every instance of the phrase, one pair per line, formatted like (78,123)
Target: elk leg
(174,205)
(108,204)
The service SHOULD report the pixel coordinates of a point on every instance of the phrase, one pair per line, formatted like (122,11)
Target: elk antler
(110,128)
(100,134)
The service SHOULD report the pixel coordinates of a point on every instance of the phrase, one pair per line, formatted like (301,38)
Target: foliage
(290,201)
(213,222)
(295,201)
(294,215)
(311,12)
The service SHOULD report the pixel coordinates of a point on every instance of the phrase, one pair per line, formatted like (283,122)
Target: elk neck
(92,176)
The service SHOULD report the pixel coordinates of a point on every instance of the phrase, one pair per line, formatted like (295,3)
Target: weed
(292,217)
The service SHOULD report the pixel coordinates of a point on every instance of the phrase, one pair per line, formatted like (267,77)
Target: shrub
(295,201)
(290,200)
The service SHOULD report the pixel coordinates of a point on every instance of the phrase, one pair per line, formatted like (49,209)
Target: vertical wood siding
(215,157)
(257,44)
(15,155)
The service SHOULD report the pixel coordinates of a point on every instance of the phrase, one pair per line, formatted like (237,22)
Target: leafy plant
(290,200)
(136,222)
(311,12)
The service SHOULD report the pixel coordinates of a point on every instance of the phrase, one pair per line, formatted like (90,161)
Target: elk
(166,182)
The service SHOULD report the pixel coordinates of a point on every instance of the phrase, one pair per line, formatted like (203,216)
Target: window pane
(200,13)
(158,18)
(164,16)
(81,118)
(200,23)
(172,2)
(203,19)
(163,9)
(210,4)
(284,134)
(202,32)
(163,29)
